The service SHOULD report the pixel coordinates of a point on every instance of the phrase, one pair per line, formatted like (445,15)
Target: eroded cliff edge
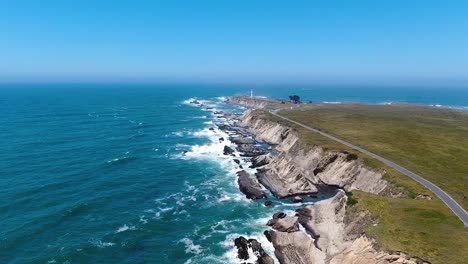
(326,232)
(302,169)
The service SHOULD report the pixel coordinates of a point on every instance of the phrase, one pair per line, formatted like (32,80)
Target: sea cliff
(302,169)
(325,232)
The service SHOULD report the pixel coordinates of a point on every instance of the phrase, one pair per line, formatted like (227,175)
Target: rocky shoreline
(317,233)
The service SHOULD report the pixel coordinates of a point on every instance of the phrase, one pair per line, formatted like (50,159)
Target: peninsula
(378,214)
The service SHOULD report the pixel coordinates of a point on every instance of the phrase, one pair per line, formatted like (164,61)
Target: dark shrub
(351,157)
(351,200)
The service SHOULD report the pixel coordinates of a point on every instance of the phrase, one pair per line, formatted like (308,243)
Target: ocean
(98,174)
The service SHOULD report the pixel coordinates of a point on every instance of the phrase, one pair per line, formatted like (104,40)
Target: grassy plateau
(432,142)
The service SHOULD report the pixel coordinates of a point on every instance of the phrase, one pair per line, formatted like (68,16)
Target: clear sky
(234,40)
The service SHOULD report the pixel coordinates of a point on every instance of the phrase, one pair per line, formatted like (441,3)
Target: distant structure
(251,93)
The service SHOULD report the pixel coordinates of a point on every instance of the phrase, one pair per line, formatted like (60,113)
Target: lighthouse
(251,93)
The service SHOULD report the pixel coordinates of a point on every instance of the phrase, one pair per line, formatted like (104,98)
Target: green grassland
(427,229)
(426,140)
(432,142)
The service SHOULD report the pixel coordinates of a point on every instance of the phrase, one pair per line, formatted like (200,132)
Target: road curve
(447,199)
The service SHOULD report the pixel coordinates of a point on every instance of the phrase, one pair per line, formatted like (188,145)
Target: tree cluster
(295,99)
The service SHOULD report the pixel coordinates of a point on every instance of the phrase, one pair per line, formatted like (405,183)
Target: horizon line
(379,82)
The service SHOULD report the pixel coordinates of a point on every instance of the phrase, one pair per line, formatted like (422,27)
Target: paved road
(447,199)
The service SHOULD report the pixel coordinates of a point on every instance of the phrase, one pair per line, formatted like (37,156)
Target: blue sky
(219,40)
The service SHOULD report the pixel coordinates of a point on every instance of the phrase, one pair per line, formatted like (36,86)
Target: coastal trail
(446,198)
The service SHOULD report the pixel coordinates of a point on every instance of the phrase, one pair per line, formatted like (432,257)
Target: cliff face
(325,236)
(336,246)
(302,169)
(323,232)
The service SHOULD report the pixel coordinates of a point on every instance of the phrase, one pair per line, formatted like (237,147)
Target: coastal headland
(375,215)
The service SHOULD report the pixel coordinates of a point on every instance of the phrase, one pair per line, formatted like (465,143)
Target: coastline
(308,230)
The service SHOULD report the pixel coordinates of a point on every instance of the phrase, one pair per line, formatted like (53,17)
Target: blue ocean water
(96,174)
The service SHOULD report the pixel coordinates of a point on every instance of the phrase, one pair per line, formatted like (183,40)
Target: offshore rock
(227,150)
(249,187)
(242,244)
(296,199)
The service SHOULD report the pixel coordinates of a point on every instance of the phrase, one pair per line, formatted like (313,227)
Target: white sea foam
(205,132)
(125,228)
(113,160)
(190,247)
(189,101)
(296,204)
(178,133)
(120,159)
(262,221)
(192,99)
(386,103)
(143,220)
(238,197)
(100,244)
(326,102)
(212,150)
(162,210)
(181,146)
(221,226)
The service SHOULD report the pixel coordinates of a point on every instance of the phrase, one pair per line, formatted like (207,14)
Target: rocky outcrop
(243,245)
(302,169)
(286,224)
(295,247)
(362,251)
(260,160)
(249,187)
(284,186)
(250,150)
(323,238)
(320,237)
(241,140)
(228,150)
